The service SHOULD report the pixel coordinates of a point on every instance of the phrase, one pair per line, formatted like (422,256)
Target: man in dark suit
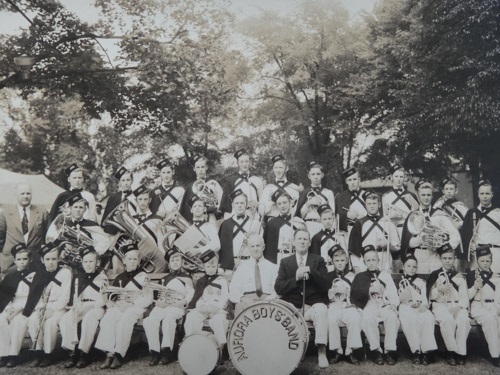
(302,281)
(22,223)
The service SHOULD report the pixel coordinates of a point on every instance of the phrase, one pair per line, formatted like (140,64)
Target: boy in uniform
(449,299)
(87,310)
(350,203)
(374,292)
(449,203)
(46,304)
(14,290)
(484,294)
(210,297)
(133,299)
(340,309)
(174,292)
(416,319)
(328,236)
(168,196)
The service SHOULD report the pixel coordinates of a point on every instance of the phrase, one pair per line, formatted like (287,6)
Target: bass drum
(199,353)
(268,337)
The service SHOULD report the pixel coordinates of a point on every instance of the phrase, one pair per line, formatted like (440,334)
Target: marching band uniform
(374,292)
(214,188)
(50,289)
(314,294)
(165,199)
(370,230)
(326,238)
(246,288)
(90,303)
(398,202)
(278,233)
(167,311)
(485,303)
(14,289)
(209,300)
(428,259)
(117,325)
(232,233)
(341,311)
(416,319)
(451,205)
(62,198)
(350,200)
(450,308)
(252,186)
(116,198)
(482,227)
(290,188)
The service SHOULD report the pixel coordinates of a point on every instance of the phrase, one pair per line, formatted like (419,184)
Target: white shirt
(243,280)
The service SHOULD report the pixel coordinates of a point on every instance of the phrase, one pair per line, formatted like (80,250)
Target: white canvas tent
(44,190)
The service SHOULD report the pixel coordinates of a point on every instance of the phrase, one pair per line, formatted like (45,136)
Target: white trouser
(90,322)
(372,315)
(487,318)
(318,314)
(117,328)
(454,328)
(217,322)
(166,317)
(339,314)
(428,261)
(418,328)
(7,331)
(48,335)
(17,331)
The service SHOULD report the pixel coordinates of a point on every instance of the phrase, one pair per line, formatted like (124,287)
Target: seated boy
(340,310)
(374,292)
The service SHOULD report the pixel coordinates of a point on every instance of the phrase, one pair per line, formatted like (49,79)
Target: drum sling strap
(239,227)
(373,226)
(400,197)
(328,236)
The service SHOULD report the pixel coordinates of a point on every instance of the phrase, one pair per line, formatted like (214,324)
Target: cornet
(404,287)
(170,296)
(311,195)
(376,292)
(121,294)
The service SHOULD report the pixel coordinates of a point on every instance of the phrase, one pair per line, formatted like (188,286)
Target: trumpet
(313,194)
(432,236)
(339,291)
(206,192)
(404,287)
(455,210)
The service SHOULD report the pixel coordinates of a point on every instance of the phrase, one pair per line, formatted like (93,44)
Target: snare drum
(199,353)
(268,337)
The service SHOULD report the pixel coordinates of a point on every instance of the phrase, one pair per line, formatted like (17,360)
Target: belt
(285,251)
(451,301)
(87,300)
(400,225)
(485,301)
(433,300)
(315,220)
(252,292)
(243,257)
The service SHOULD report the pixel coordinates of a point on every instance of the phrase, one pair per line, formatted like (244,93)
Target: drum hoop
(206,336)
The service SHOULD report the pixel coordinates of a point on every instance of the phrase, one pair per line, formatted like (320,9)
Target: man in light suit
(312,293)
(22,223)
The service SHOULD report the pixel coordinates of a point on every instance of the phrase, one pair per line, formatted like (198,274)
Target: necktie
(24,222)
(301,261)
(258,280)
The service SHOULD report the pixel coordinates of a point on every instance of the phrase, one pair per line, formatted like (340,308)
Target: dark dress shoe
(107,362)
(389,359)
(39,358)
(46,362)
(460,360)
(416,358)
(495,361)
(351,358)
(155,358)
(166,356)
(117,362)
(12,361)
(450,359)
(3,362)
(72,361)
(84,360)
(377,357)
(336,358)
(426,359)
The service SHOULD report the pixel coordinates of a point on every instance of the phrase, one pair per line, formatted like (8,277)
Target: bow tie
(373,217)
(127,192)
(281,182)
(140,216)
(328,231)
(240,217)
(483,209)
(285,217)
(425,210)
(244,176)
(355,192)
(375,273)
(399,191)
(166,187)
(317,189)
(76,222)
(198,222)
(76,190)
(485,274)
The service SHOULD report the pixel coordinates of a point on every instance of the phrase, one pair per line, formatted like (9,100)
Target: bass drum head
(268,337)
(199,354)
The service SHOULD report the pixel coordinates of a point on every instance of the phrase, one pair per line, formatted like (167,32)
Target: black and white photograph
(254,187)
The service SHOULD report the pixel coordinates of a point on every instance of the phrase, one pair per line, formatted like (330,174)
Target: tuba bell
(180,233)
(207,194)
(432,236)
(122,219)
